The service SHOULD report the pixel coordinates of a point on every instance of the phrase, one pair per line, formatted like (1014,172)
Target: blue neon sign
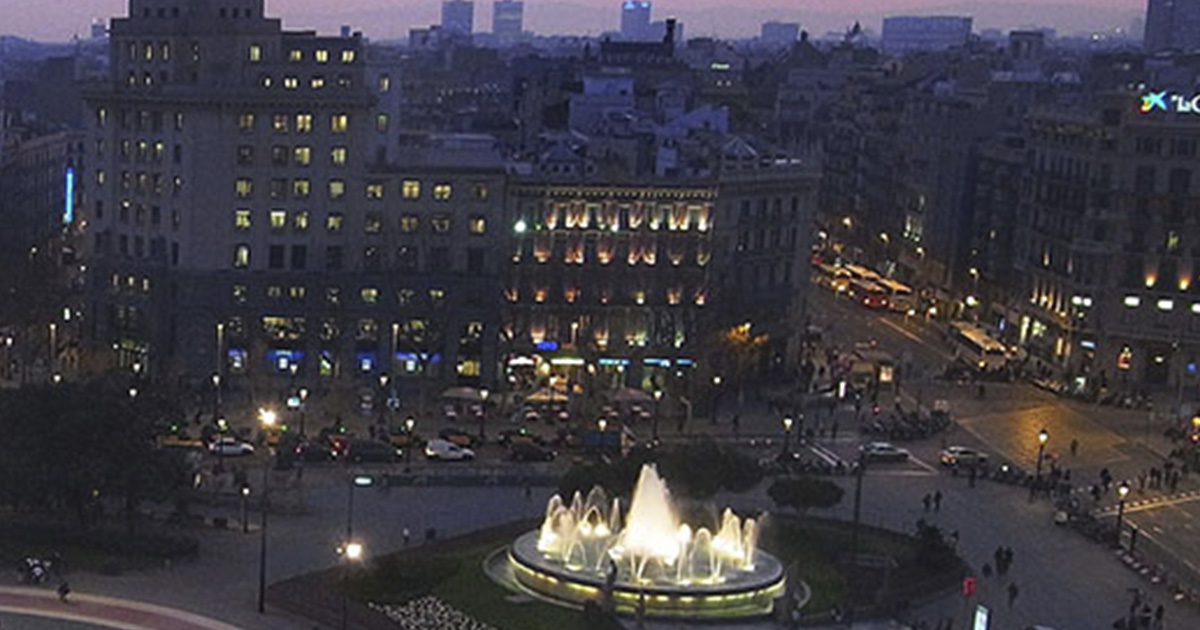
(69,202)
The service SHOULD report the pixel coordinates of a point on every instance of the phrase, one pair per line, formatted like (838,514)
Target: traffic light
(968,586)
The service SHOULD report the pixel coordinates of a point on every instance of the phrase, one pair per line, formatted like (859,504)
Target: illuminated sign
(69,203)
(1167,101)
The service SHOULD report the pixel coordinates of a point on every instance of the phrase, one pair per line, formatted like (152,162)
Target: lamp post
(658,394)
(268,419)
(787,434)
(1042,437)
(1122,491)
(409,424)
(483,398)
(351,553)
(245,517)
(216,383)
(303,394)
(358,481)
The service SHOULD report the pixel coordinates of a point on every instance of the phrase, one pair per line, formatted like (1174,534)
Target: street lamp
(358,481)
(658,394)
(1042,437)
(483,398)
(787,434)
(352,553)
(216,382)
(383,383)
(245,518)
(409,424)
(268,419)
(303,393)
(1122,491)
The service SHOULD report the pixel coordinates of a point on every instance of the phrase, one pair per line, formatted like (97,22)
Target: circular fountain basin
(748,593)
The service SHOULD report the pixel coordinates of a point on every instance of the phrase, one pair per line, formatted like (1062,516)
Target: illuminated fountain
(585,550)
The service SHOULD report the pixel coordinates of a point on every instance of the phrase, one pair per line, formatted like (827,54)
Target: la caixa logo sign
(1167,101)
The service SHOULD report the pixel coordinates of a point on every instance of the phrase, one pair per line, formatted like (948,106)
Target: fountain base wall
(749,594)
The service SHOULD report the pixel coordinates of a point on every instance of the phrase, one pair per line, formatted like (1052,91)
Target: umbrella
(469,394)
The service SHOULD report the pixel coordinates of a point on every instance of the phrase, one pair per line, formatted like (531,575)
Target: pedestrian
(926,501)
(1158,617)
(998,558)
(63,591)
(937,501)
(986,570)
(1074,447)
(406,536)
(1012,593)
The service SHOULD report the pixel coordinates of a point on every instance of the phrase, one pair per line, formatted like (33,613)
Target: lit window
(375,190)
(298,292)
(317,82)
(322,56)
(333,295)
(266,80)
(1133,301)
(290,83)
(255,53)
(241,256)
(296,55)
(279,123)
(337,189)
(338,156)
(241,219)
(441,223)
(302,155)
(385,84)
(477,225)
(370,295)
(442,192)
(274,292)
(1172,241)
(437,296)
(409,223)
(300,220)
(244,187)
(1166,305)
(240,293)
(278,219)
(246,122)
(411,189)
(381,123)
(334,222)
(348,56)
(301,188)
(304,123)
(481,191)
(339,123)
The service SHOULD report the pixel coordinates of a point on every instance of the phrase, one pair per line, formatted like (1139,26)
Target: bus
(900,296)
(974,347)
(868,294)
(836,278)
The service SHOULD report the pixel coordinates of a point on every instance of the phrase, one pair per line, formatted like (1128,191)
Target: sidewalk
(106,611)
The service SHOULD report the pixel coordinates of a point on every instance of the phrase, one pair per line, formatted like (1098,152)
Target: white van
(447,451)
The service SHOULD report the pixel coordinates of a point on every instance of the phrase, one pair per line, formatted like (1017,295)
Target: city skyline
(59,20)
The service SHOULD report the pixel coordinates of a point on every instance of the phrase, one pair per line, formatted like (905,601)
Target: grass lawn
(98,550)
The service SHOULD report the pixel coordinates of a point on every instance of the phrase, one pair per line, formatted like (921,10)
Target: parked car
(457,437)
(514,437)
(315,452)
(405,439)
(531,453)
(230,447)
(443,450)
(366,451)
(883,452)
(962,456)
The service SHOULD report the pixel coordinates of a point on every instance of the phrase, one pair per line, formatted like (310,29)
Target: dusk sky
(58,20)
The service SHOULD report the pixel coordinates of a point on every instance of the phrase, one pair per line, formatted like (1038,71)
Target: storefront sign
(1167,101)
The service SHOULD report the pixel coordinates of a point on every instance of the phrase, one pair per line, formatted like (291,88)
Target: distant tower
(635,20)
(1172,25)
(458,17)
(508,19)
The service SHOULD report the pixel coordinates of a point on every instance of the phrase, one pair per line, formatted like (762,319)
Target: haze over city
(59,20)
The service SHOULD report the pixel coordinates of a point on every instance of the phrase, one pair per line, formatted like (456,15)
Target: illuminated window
(409,223)
(241,219)
(266,80)
(290,83)
(442,192)
(337,155)
(339,123)
(241,256)
(369,295)
(381,123)
(279,123)
(477,225)
(301,188)
(244,187)
(333,295)
(304,123)
(322,56)
(296,55)
(334,221)
(411,189)
(274,292)
(1133,301)
(1196,308)
(1172,241)
(1166,305)
(297,292)
(302,155)
(317,82)
(437,297)
(348,56)
(481,191)
(246,122)
(255,53)
(1125,358)
(441,223)
(300,220)
(385,84)
(337,189)
(405,297)
(278,219)
(375,190)
(240,293)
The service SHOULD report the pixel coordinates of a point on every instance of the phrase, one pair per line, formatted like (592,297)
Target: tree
(745,348)
(802,493)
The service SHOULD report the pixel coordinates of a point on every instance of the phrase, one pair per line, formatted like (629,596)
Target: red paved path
(103,611)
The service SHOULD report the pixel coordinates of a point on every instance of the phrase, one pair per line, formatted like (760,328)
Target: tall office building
(780,33)
(507,19)
(458,16)
(936,32)
(635,20)
(1172,25)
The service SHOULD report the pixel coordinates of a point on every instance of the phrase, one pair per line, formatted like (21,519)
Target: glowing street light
(268,418)
(787,433)
(1043,436)
(1122,491)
